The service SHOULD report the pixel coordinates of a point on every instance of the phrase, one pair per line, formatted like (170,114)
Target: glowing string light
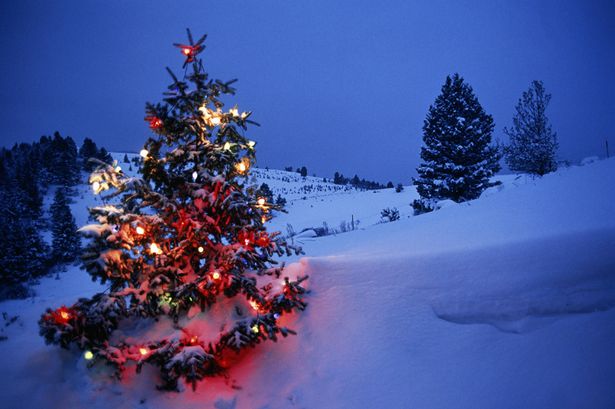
(88,355)
(154,249)
(242,166)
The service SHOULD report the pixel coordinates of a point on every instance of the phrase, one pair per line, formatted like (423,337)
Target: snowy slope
(503,302)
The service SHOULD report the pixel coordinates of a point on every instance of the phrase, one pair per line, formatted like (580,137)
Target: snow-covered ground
(503,302)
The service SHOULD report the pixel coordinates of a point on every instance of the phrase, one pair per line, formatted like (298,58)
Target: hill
(502,302)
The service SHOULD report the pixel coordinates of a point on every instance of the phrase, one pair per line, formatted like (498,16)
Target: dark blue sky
(336,85)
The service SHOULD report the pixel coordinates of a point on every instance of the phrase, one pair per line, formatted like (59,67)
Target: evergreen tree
(4,175)
(26,179)
(104,156)
(87,151)
(265,191)
(66,242)
(458,158)
(303,171)
(181,245)
(533,143)
(280,201)
(63,167)
(24,253)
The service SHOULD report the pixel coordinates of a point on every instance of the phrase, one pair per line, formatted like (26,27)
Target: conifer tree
(24,253)
(458,158)
(65,241)
(265,191)
(183,248)
(26,179)
(88,150)
(533,144)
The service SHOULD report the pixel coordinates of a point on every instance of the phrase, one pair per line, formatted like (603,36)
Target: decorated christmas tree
(184,249)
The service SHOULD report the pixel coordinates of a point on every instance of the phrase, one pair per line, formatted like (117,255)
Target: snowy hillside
(503,302)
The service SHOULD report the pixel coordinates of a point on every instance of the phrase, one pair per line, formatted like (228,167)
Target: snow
(502,302)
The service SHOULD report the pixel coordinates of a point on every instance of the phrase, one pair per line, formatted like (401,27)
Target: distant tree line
(27,172)
(355,181)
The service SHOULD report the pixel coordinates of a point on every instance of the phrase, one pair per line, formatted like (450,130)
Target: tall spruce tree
(533,144)
(458,158)
(65,242)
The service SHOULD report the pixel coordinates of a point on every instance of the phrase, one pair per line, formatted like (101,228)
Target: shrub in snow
(183,241)
(458,158)
(399,188)
(533,144)
(589,160)
(389,214)
(421,206)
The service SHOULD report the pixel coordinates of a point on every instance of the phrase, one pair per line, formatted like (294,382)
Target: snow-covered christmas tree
(458,158)
(184,249)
